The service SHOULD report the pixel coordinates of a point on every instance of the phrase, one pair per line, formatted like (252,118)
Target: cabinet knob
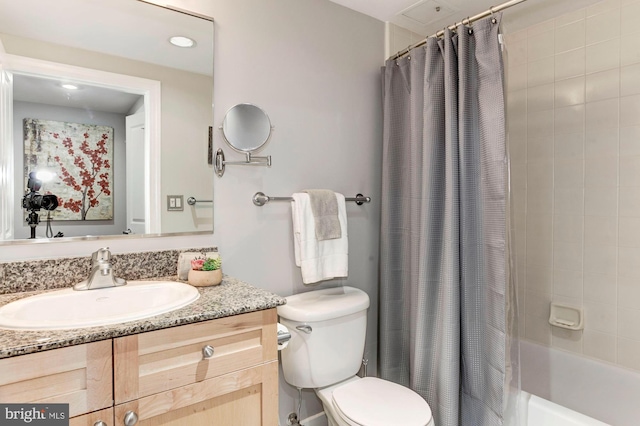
(99,423)
(130,418)
(207,352)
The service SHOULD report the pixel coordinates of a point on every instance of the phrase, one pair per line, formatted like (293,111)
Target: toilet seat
(376,402)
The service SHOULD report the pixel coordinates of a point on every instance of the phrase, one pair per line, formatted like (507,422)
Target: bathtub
(535,411)
(562,385)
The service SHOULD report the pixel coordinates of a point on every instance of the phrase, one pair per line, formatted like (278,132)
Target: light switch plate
(175,203)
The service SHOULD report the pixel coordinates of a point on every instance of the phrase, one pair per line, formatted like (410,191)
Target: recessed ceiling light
(70,86)
(182,41)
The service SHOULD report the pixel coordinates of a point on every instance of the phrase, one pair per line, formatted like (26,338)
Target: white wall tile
(540,28)
(570,64)
(537,305)
(630,80)
(602,114)
(570,91)
(538,330)
(630,140)
(567,340)
(602,6)
(600,259)
(569,119)
(600,171)
(540,149)
(600,317)
(567,283)
(540,123)
(569,37)
(603,26)
(541,97)
(603,56)
(629,353)
(568,173)
(629,229)
(600,288)
(517,104)
(518,177)
(629,201)
(517,150)
(602,142)
(539,253)
(540,72)
(517,77)
(570,17)
(630,110)
(540,46)
(601,230)
(599,345)
(629,262)
(539,279)
(517,127)
(540,174)
(603,85)
(567,256)
(516,52)
(629,18)
(630,171)
(629,292)
(570,201)
(629,323)
(601,201)
(539,200)
(571,145)
(568,228)
(629,50)
(541,225)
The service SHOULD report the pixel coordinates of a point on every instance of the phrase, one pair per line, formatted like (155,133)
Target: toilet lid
(376,402)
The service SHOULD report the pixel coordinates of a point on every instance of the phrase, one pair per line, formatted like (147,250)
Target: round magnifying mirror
(246,128)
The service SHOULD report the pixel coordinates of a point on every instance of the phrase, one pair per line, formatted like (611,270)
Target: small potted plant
(205,271)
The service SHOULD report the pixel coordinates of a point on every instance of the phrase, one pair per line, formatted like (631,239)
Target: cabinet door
(80,376)
(157,361)
(93,419)
(247,397)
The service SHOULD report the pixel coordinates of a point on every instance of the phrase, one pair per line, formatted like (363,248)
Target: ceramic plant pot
(204,278)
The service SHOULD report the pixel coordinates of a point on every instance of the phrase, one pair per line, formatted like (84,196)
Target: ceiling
(426,17)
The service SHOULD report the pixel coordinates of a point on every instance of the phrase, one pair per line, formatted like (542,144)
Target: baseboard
(319,419)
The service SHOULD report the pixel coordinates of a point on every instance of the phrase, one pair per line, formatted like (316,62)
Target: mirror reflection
(113,110)
(246,127)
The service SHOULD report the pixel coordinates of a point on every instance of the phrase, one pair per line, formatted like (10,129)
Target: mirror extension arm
(220,162)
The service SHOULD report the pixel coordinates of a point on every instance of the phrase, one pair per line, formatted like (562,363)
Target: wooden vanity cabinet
(79,375)
(218,372)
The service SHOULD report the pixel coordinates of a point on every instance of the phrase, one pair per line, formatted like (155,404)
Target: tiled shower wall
(574,134)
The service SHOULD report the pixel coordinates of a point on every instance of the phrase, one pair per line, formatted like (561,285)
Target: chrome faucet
(101,275)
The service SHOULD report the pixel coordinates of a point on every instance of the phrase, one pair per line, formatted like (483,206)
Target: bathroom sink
(68,308)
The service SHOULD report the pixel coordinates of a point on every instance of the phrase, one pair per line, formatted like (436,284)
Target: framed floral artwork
(81,156)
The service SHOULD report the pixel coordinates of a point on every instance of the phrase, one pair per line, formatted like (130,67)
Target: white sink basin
(68,308)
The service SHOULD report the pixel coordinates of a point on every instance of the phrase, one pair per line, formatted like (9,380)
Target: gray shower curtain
(443,289)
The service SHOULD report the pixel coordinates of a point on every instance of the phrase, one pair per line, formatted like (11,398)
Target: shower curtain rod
(492,10)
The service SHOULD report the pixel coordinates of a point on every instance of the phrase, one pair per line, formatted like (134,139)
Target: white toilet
(325,352)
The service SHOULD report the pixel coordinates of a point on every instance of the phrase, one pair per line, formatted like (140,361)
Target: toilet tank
(328,329)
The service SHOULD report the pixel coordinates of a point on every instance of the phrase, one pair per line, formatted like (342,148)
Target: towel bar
(260,199)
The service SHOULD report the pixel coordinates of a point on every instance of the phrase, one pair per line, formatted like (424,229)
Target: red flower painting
(82,156)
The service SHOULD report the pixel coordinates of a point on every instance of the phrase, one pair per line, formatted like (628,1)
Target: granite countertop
(231,297)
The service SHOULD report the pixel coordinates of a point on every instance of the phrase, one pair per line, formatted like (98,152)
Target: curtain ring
(470,29)
(408,54)
(493,18)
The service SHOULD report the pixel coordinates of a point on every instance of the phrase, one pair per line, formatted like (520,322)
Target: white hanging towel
(318,260)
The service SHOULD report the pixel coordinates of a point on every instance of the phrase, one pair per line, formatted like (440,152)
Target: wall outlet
(175,203)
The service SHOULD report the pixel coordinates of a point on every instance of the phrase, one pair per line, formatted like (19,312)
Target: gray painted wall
(314,67)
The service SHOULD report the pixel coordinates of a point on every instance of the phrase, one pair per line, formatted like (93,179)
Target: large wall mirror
(99,97)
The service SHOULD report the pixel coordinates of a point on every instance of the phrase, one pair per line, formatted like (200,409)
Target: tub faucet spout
(101,275)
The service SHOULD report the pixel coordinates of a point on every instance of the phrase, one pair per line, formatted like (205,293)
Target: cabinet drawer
(160,360)
(78,375)
(244,397)
(91,419)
